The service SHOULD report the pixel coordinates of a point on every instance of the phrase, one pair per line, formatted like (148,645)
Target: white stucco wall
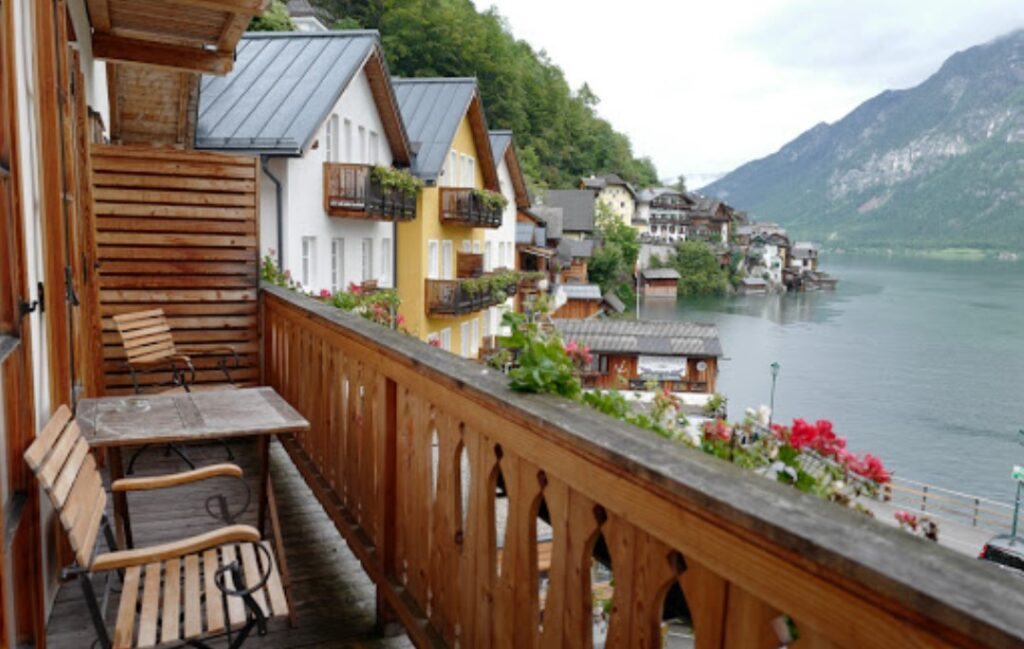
(497,238)
(303,214)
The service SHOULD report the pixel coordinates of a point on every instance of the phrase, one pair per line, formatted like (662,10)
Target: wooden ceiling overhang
(194,35)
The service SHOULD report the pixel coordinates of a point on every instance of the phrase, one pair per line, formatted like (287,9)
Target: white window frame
(489,256)
(308,261)
(476,247)
(433,259)
(362,145)
(374,157)
(337,264)
(467,246)
(447,253)
(367,245)
(331,139)
(474,341)
(348,141)
(464,340)
(385,261)
(446,339)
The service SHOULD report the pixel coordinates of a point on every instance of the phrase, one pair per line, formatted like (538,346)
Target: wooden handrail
(394,423)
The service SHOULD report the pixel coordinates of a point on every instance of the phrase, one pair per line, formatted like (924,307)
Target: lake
(918,361)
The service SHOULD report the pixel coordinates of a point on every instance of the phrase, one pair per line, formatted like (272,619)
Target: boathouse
(659,282)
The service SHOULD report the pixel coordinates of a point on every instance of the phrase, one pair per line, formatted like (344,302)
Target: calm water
(918,361)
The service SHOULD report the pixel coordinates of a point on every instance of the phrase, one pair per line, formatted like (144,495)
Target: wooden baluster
(444,556)
(811,639)
(556,495)
(705,594)
(620,537)
(479,554)
(748,621)
(581,532)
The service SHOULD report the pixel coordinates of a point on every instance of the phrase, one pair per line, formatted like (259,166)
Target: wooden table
(114,423)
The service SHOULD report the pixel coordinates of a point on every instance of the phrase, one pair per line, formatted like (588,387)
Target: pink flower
(287,274)
(434,342)
(870,467)
(324,293)
(717,429)
(400,320)
(355,288)
(571,347)
(906,518)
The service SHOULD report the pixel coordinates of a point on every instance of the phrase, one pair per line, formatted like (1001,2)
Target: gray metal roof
(570,249)
(600,182)
(499,143)
(670,338)
(432,110)
(577,208)
(582,291)
(661,273)
(612,300)
(280,91)
(552,216)
(804,250)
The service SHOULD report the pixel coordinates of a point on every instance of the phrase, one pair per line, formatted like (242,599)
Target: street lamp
(771,406)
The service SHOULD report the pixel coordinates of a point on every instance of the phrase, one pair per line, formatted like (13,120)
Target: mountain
(938,165)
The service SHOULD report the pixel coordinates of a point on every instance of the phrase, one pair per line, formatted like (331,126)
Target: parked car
(1005,551)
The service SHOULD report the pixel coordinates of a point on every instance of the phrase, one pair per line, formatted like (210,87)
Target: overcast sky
(704,86)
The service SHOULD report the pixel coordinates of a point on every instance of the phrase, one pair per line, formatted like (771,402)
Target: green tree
(274,19)
(699,270)
(680,184)
(614,261)
(558,131)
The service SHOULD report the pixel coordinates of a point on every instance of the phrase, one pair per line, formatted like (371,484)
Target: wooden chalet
(659,283)
(416,466)
(627,354)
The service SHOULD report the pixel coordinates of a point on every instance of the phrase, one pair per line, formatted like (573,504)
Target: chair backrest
(60,458)
(146,335)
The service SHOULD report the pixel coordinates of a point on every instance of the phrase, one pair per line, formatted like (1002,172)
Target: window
(433,261)
(362,145)
(348,140)
(476,247)
(446,260)
(446,339)
(474,341)
(488,315)
(385,261)
(332,139)
(467,246)
(374,149)
(464,339)
(367,258)
(468,178)
(453,169)
(308,260)
(337,265)
(489,256)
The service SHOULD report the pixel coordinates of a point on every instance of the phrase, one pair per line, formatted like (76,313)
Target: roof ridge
(403,80)
(333,33)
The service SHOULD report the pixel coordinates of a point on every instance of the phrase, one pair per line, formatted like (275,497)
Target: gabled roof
(650,193)
(569,249)
(577,208)
(669,338)
(660,273)
(598,183)
(613,301)
(552,216)
(432,110)
(283,87)
(504,148)
(582,292)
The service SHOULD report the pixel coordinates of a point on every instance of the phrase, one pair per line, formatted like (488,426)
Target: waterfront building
(659,282)
(320,110)
(679,356)
(441,250)
(663,214)
(617,194)
(804,256)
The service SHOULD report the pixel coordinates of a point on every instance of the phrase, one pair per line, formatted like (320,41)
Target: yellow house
(440,251)
(614,192)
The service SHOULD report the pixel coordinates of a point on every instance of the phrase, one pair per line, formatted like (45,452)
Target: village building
(577,211)
(679,356)
(617,194)
(659,282)
(753,286)
(577,301)
(443,296)
(804,256)
(663,213)
(323,210)
(710,219)
(573,256)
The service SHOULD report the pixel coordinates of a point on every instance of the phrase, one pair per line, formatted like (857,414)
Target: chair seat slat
(149,615)
(124,631)
(169,622)
(214,603)
(253,575)
(43,443)
(193,615)
(275,592)
(70,472)
(236,609)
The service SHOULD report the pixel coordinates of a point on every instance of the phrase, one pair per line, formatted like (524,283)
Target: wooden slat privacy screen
(178,230)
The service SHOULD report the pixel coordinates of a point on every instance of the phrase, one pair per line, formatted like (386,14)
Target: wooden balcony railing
(411,449)
(451,297)
(350,191)
(460,206)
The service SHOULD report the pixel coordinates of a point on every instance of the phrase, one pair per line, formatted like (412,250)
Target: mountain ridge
(940,164)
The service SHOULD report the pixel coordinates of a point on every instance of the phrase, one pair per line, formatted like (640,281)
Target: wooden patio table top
(186,417)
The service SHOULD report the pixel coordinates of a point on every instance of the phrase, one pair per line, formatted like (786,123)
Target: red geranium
(717,429)
(870,467)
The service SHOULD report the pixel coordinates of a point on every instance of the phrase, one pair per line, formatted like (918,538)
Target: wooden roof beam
(105,46)
(99,15)
(248,7)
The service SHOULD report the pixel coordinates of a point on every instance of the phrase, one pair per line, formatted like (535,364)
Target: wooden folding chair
(149,347)
(212,585)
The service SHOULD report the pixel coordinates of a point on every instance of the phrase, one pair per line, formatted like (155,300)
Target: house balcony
(476,516)
(462,206)
(350,191)
(455,297)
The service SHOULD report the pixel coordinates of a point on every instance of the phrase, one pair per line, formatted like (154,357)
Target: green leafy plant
(489,200)
(396,179)
(715,404)
(269,272)
(541,362)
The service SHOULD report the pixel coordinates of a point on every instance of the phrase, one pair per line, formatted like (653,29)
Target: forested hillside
(937,165)
(559,134)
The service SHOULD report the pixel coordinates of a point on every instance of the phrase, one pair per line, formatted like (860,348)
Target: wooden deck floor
(332,596)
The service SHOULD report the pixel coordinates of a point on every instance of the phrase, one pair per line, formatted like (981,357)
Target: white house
(319,109)
(500,243)
(662,213)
